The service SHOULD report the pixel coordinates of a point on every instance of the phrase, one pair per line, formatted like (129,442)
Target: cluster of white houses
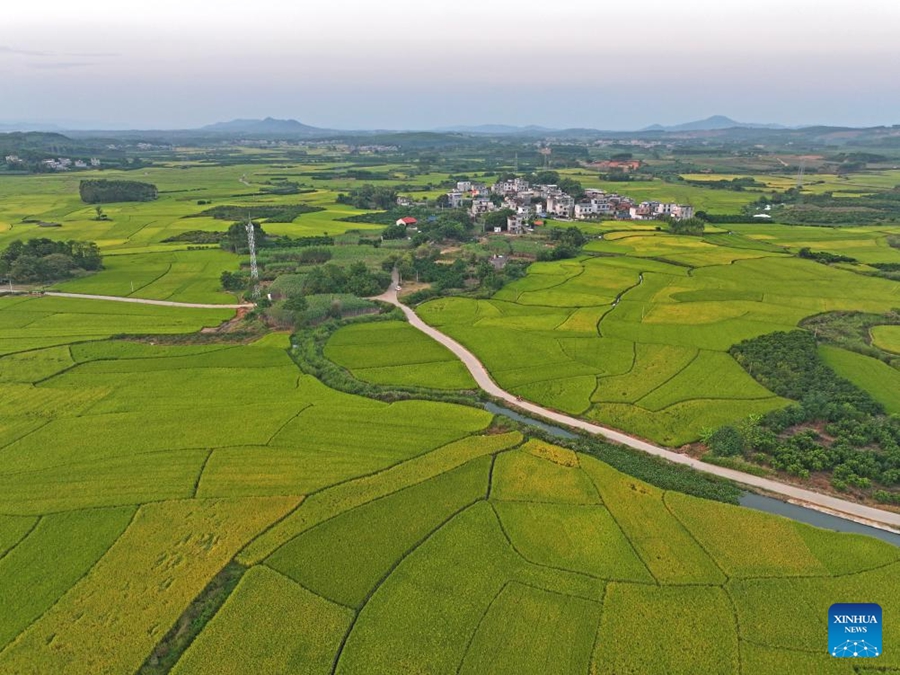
(58,164)
(529,202)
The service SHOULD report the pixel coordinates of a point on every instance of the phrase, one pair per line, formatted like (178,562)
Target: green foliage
(271,213)
(42,260)
(691,226)
(824,257)
(370,197)
(356,279)
(791,365)
(726,441)
(196,237)
(107,191)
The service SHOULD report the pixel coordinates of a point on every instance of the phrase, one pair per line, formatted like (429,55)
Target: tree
(496,219)
(232,282)
(296,303)
(41,260)
(689,226)
(571,187)
(394,232)
(546,178)
(726,441)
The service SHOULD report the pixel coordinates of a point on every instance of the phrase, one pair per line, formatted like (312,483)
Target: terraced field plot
(638,339)
(395,353)
(887,337)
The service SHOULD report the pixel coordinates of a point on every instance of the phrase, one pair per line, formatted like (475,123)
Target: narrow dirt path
(816,500)
(141,301)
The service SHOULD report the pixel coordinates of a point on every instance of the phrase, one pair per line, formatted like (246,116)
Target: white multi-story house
(584,210)
(561,206)
(454,199)
(480,206)
(464,186)
(515,223)
(676,211)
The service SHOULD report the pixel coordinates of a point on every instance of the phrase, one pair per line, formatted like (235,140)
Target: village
(528,204)
(57,164)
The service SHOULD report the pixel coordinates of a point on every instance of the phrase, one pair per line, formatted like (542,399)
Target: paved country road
(139,301)
(835,505)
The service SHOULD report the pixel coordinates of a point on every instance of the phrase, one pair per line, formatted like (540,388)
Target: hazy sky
(428,63)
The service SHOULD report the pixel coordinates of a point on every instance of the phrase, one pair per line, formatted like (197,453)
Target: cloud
(5,49)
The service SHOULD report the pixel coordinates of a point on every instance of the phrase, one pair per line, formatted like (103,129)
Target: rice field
(375,536)
(637,338)
(413,536)
(395,353)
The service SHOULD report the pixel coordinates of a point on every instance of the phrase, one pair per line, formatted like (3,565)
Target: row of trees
(44,260)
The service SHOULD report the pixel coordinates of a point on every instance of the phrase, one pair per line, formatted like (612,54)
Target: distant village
(529,203)
(58,164)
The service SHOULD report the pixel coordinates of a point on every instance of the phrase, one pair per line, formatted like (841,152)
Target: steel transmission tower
(254,270)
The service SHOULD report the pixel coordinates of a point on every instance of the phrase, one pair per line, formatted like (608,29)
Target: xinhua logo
(854,630)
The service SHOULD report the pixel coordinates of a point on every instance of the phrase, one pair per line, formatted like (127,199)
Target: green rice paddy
(637,339)
(412,536)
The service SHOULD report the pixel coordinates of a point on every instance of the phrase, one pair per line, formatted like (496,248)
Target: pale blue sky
(413,64)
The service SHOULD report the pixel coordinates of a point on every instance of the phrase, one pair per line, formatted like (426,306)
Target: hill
(263,127)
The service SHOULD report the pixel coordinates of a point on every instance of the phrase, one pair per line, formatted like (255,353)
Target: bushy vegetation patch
(42,260)
(835,427)
(107,191)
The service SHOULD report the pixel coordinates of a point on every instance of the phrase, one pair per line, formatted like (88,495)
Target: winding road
(834,505)
(138,301)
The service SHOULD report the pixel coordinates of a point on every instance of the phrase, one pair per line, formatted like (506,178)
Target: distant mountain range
(717,128)
(714,123)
